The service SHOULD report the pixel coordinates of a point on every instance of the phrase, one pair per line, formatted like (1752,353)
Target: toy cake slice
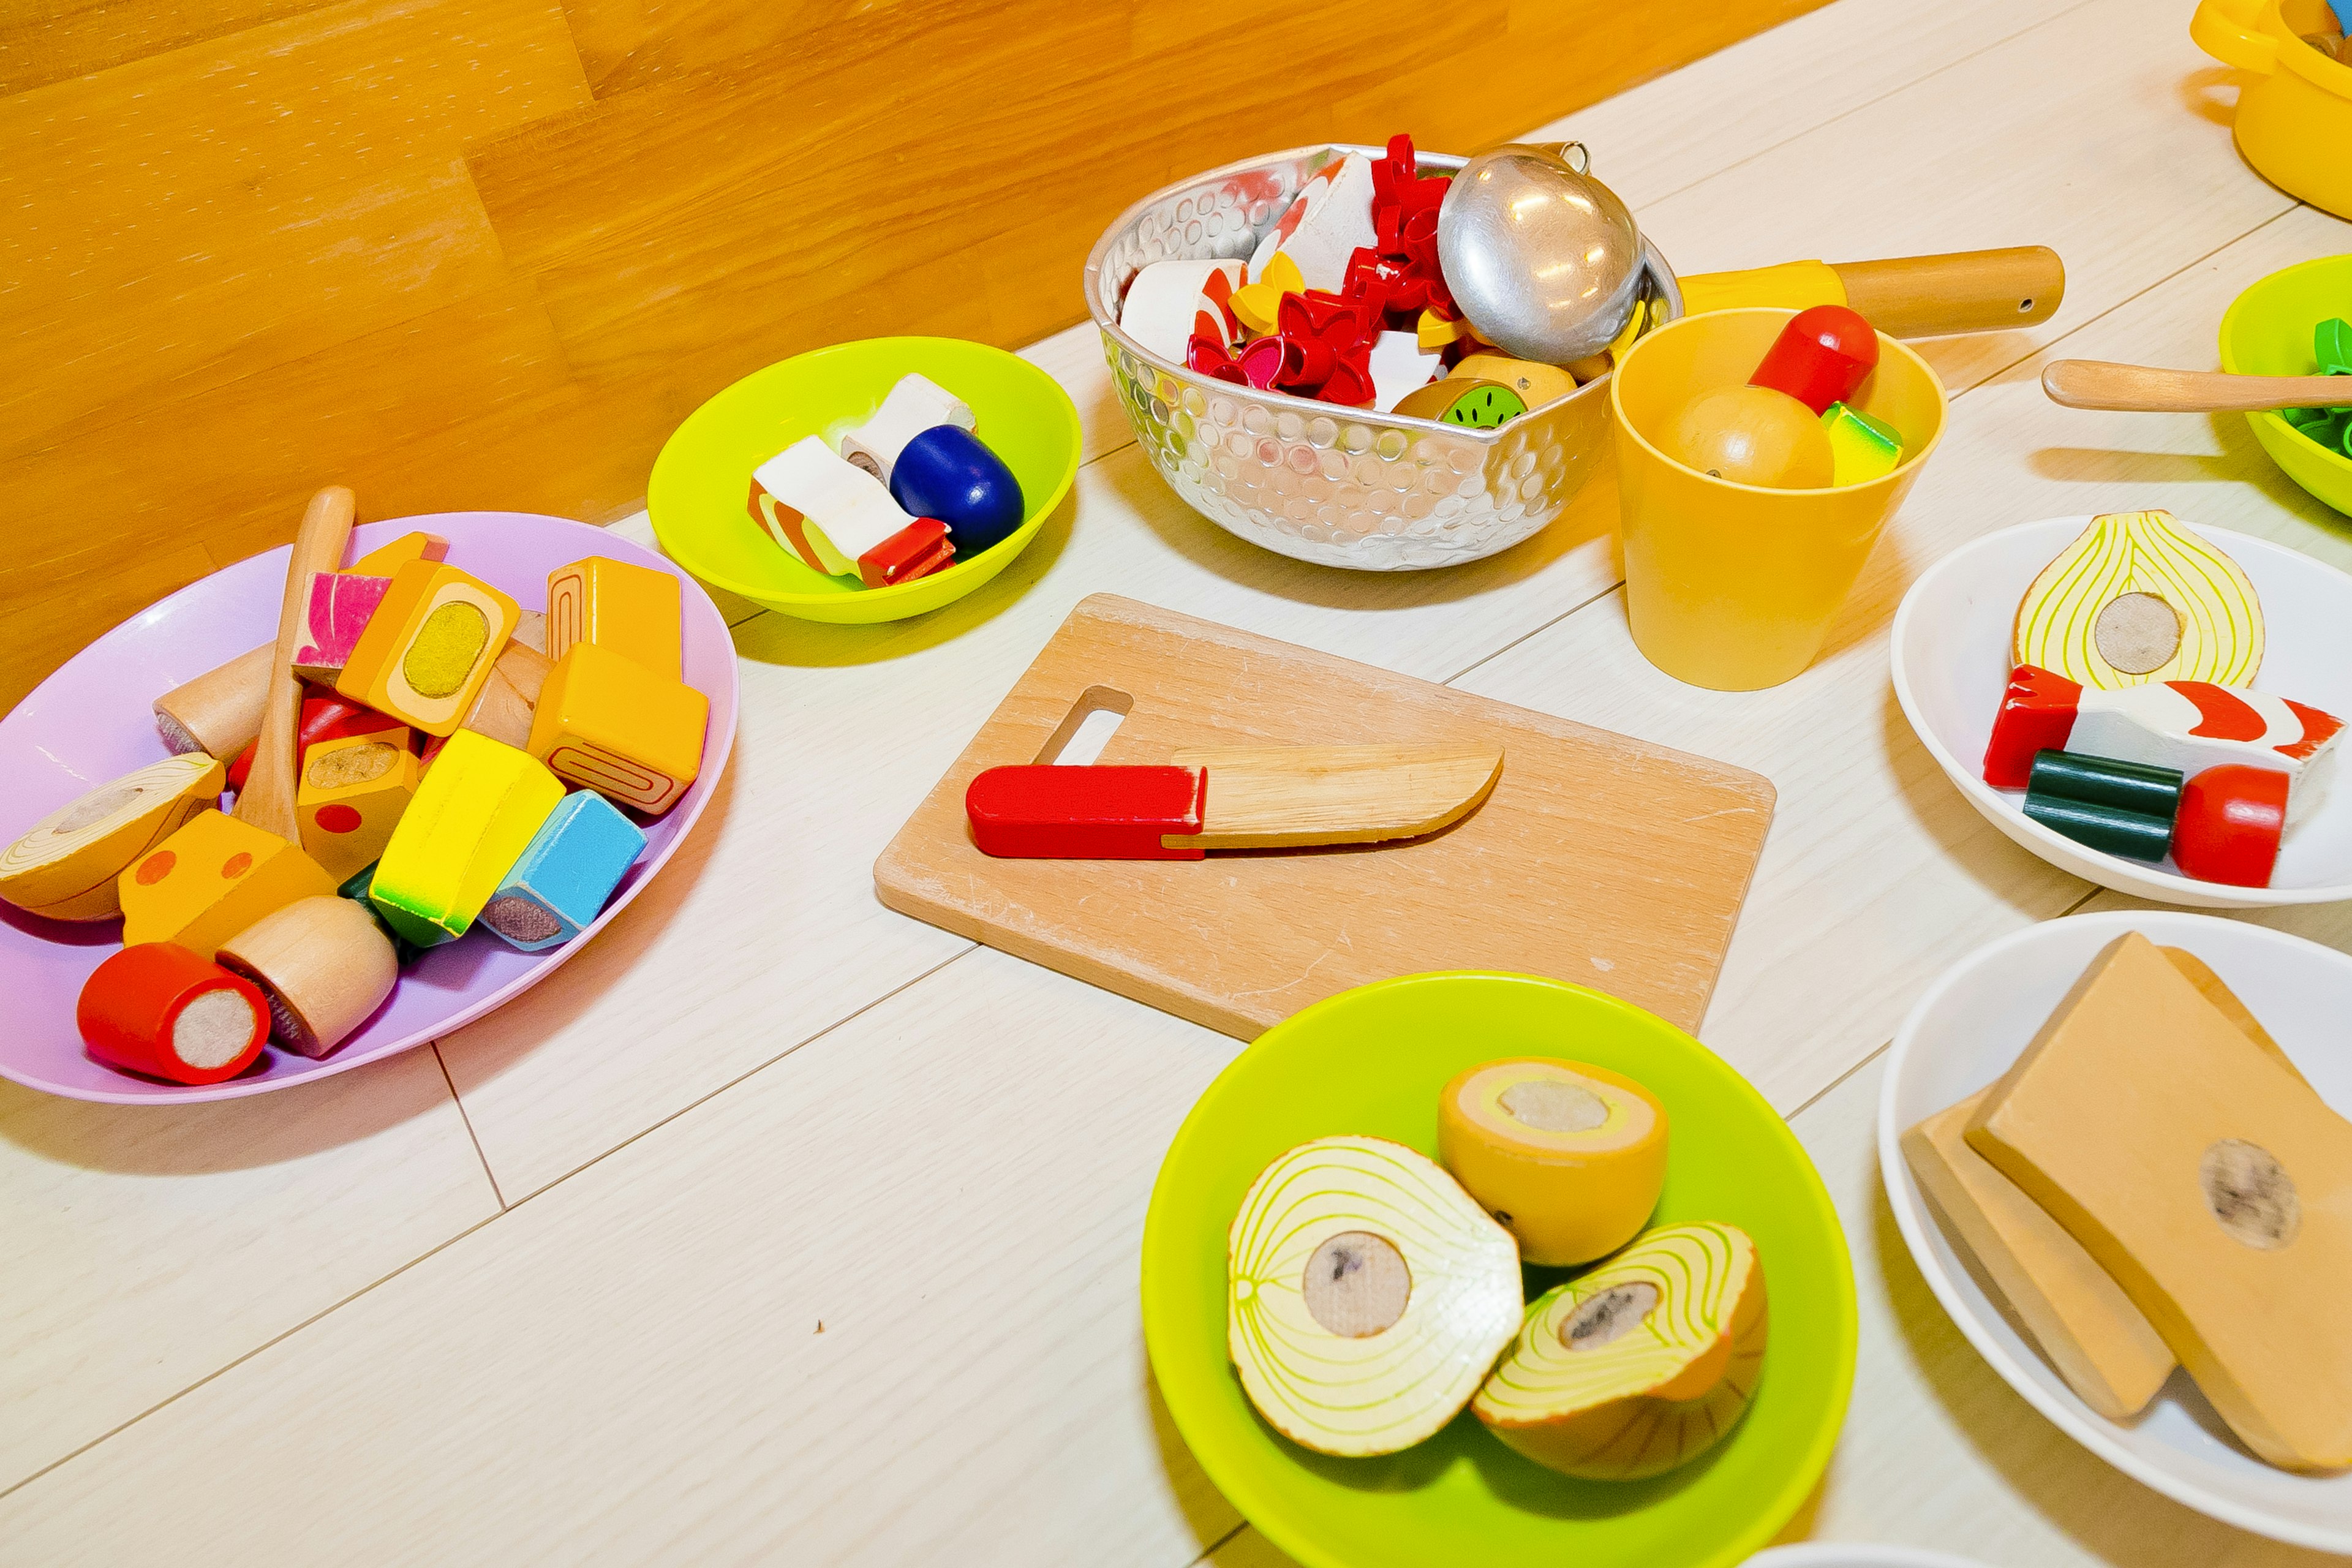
(2207,1179)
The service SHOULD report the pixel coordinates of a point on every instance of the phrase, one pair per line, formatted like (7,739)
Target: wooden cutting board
(1597,858)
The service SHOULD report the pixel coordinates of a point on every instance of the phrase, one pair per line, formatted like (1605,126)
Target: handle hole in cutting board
(1092,721)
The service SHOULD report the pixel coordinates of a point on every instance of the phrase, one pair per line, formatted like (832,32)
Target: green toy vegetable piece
(1487,404)
(2119,807)
(2128,834)
(2332,346)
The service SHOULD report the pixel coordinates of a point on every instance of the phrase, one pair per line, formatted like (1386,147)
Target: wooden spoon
(268,799)
(2139,388)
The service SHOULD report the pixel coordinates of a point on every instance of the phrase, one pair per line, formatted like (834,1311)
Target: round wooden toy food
(323,966)
(1642,1364)
(1370,1295)
(65,867)
(2137,598)
(1751,435)
(1568,1157)
(158,1009)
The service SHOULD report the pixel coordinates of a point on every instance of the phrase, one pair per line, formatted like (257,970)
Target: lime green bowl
(1372,1060)
(2267,332)
(701,483)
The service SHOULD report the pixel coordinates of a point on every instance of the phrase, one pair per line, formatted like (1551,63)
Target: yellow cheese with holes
(1568,1157)
(66,867)
(210,880)
(2207,1179)
(429,646)
(2137,598)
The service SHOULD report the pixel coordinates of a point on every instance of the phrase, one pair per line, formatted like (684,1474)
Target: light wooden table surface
(551,1291)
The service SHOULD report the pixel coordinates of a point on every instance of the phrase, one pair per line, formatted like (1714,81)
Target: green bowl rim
(2270,417)
(1255,1506)
(993,556)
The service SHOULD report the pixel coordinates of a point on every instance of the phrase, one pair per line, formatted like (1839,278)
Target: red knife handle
(1041,812)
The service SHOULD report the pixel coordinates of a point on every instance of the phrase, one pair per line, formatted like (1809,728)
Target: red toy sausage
(2231,818)
(1820,357)
(158,1009)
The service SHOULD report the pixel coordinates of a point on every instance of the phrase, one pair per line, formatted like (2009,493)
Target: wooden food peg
(322,965)
(162,1010)
(2144,389)
(429,646)
(267,801)
(68,866)
(211,879)
(218,713)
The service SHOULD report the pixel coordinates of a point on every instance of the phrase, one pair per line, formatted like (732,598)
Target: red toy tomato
(2231,818)
(1820,357)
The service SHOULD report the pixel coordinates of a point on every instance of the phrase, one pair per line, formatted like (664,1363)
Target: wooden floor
(551,1291)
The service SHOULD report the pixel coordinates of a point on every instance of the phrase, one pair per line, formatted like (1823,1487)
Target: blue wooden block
(561,883)
(946,473)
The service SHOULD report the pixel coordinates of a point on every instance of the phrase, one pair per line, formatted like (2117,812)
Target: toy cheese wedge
(476,812)
(1266,797)
(2208,1180)
(65,867)
(210,880)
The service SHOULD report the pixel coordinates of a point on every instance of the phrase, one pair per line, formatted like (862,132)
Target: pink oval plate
(90,721)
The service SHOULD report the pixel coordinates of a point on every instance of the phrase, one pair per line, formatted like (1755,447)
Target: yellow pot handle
(2225,29)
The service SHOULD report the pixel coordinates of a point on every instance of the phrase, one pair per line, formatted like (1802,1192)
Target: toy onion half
(1370,1296)
(1640,1365)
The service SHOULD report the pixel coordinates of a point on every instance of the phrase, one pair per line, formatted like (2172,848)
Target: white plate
(1951,657)
(1827,1554)
(1966,1031)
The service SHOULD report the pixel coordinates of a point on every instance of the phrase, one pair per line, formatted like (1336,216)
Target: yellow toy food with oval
(1568,1157)
(2135,598)
(429,646)
(1367,1296)
(1639,1366)
(66,867)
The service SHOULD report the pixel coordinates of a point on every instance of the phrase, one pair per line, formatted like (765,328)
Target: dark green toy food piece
(1485,407)
(2331,346)
(2123,808)
(2128,834)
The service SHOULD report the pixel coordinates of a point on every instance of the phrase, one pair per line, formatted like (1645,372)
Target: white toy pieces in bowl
(1970,1028)
(1951,663)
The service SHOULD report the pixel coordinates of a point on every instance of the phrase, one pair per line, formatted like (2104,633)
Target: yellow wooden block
(609,724)
(386,559)
(65,867)
(473,814)
(210,880)
(632,610)
(429,646)
(353,794)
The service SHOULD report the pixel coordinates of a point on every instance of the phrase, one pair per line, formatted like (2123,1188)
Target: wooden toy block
(211,879)
(322,965)
(609,724)
(218,713)
(1325,223)
(2122,808)
(503,711)
(1861,448)
(386,559)
(161,1009)
(266,799)
(560,886)
(354,794)
(334,612)
(326,717)
(633,610)
(1535,384)
(914,405)
(2207,1180)
(1820,357)
(67,867)
(1167,305)
(530,630)
(2191,725)
(945,473)
(831,514)
(2137,598)
(2232,819)
(476,812)
(430,647)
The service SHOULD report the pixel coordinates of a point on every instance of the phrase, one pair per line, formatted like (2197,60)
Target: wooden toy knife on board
(1258,797)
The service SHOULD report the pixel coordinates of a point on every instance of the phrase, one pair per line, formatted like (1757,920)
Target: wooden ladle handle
(268,799)
(1964,292)
(2139,388)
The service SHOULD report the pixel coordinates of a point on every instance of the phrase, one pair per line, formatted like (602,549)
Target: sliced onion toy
(1370,1296)
(1640,1365)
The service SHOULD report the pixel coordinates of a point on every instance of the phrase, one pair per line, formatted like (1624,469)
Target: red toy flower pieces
(1206,356)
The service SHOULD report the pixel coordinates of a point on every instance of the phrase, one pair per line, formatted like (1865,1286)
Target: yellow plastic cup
(2294,119)
(1734,586)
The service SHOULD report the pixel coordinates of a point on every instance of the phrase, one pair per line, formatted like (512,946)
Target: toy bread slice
(471,819)
(633,610)
(429,646)
(2137,597)
(610,724)
(914,405)
(210,880)
(67,867)
(833,514)
(2205,1177)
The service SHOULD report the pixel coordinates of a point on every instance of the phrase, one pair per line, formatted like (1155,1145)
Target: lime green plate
(2267,332)
(1372,1060)
(701,483)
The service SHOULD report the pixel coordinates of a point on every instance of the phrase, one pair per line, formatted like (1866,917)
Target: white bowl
(1951,657)
(1965,1032)
(1829,1554)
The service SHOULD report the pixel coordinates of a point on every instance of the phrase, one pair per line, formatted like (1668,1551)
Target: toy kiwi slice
(1473,404)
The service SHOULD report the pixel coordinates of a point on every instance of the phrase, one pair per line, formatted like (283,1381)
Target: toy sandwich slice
(1266,797)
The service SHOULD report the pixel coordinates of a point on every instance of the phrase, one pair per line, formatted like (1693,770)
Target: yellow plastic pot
(2294,121)
(1734,586)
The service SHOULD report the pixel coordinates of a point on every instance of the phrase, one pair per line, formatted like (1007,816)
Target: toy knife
(1259,797)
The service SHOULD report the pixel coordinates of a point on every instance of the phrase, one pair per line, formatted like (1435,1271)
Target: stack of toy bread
(414,755)
(2154,1184)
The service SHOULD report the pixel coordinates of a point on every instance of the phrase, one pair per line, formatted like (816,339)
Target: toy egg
(1751,435)
(946,473)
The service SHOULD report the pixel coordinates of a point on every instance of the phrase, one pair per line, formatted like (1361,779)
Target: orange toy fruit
(1751,435)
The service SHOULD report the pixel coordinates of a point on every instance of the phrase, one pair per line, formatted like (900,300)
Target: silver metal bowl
(1336,486)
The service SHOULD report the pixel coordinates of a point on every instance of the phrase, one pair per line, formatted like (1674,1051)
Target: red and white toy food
(1171,303)
(1329,221)
(915,405)
(157,1008)
(840,519)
